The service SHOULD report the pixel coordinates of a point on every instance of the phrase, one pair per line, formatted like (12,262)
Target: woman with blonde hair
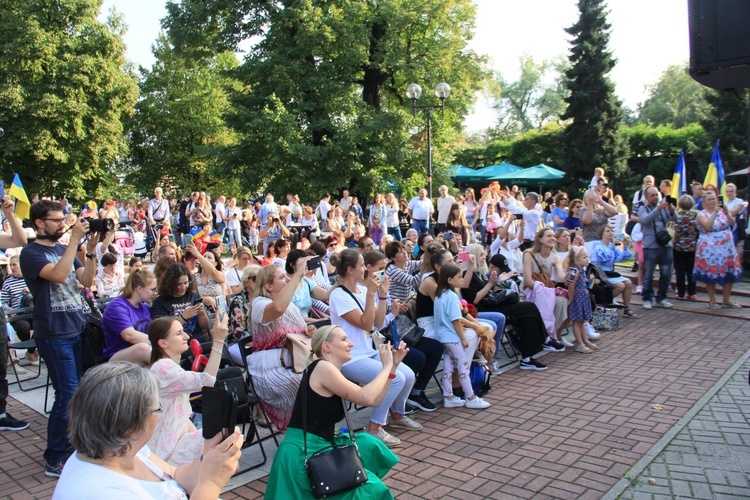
(324,388)
(126,318)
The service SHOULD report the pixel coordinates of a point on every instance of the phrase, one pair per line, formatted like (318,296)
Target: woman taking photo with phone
(175,438)
(325,387)
(307,289)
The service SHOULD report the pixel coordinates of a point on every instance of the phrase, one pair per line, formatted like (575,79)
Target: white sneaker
(665,304)
(638,290)
(566,342)
(454,402)
(590,332)
(647,304)
(477,403)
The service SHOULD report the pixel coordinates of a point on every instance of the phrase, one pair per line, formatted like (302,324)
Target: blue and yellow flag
(679,179)
(23,207)
(715,174)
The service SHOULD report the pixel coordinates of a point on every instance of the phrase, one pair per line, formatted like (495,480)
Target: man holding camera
(52,272)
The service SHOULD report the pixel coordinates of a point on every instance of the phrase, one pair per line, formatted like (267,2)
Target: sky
(646,37)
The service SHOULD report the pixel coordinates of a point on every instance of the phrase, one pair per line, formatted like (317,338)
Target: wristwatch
(91,256)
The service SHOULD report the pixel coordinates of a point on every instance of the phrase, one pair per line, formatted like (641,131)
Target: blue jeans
(422,226)
(499,320)
(651,257)
(395,232)
(64,359)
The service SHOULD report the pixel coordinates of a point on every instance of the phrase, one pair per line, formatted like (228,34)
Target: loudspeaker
(720,43)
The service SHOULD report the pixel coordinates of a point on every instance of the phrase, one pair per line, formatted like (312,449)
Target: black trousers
(683,267)
(529,325)
(424,359)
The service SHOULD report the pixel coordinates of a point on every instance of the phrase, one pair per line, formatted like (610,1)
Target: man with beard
(52,272)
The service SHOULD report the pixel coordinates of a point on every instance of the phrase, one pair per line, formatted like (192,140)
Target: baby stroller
(125,241)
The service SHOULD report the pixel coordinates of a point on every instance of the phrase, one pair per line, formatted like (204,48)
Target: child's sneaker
(477,403)
(454,402)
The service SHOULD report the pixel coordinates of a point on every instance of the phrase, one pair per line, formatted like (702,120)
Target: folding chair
(245,345)
(10,317)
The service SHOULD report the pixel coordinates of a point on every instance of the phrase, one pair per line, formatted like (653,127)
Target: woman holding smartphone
(175,439)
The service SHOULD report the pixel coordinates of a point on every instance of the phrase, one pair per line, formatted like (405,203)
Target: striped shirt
(12,292)
(404,282)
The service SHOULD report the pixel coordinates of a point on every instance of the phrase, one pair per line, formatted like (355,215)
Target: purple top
(120,315)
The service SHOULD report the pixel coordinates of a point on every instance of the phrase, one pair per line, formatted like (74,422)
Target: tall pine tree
(592,138)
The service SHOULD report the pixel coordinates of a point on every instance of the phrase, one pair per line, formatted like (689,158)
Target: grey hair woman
(112,417)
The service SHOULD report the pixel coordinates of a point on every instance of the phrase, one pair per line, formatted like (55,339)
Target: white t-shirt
(234,222)
(421,208)
(444,208)
(323,208)
(219,213)
(83,480)
(341,303)
(234,277)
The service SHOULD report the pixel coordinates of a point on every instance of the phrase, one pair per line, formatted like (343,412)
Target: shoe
(53,470)
(405,423)
(638,290)
(387,439)
(477,403)
(647,304)
(532,364)
(664,303)
(409,409)
(731,305)
(634,269)
(592,346)
(565,342)
(455,402)
(9,423)
(583,349)
(679,297)
(496,370)
(590,332)
(422,402)
(33,362)
(553,345)
(691,297)
(714,305)
(628,313)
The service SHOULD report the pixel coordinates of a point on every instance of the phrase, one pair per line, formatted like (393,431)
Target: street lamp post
(414,92)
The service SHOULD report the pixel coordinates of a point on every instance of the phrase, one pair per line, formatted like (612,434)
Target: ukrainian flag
(715,174)
(679,179)
(23,207)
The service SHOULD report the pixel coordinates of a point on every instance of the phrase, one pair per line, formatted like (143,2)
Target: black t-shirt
(175,306)
(322,412)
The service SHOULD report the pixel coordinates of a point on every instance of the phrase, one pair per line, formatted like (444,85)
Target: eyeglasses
(331,245)
(56,221)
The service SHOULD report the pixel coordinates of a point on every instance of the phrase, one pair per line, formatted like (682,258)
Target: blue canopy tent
(538,175)
(462,174)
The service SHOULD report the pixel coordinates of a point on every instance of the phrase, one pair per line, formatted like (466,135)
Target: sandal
(628,313)
(583,349)
(592,346)
(714,305)
(731,305)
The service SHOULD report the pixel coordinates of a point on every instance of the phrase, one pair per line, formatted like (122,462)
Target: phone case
(219,412)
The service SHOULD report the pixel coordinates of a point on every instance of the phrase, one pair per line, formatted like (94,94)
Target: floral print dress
(173,439)
(716,259)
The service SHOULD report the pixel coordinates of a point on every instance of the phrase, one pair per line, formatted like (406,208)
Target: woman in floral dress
(716,259)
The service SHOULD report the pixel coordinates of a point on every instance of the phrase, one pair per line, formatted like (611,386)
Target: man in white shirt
(532,216)
(444,203)
(324,207)
(420,209)
(220,214)
(268,207)
(234,214)
(345,201)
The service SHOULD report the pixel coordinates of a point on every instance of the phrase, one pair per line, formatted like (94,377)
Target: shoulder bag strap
(354,297)
(537,263)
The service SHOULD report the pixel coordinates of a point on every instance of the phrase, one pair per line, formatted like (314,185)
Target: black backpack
(93,334)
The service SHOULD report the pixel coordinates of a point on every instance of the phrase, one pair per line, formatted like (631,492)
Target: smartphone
(199,300)
(380,275)
(447,236)
(188,239)
(2,189)
(219,412)
(313,263)
(721,201)
(463,256)
(572,273)
(395,339)
(221,306)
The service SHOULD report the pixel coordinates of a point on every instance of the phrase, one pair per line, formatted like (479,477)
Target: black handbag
(407,331)
(334,469)
(499,298)
(662,236)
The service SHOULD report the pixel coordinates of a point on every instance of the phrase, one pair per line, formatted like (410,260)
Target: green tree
(322,98)
(178,129)
(592,138)
(728,120)
(535,99)
(64,90)
(676,99)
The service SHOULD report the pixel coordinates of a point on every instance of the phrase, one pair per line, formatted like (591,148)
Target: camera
(101,226)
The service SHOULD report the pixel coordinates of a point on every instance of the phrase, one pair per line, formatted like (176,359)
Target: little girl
(450,333)
(579,303)
(376,230)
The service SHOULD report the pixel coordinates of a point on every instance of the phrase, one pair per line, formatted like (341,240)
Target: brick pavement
(576,429)
(710,456)
(570,432)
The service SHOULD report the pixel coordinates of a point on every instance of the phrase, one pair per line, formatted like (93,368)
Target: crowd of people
(463,269)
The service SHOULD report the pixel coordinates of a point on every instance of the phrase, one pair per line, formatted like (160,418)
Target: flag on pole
(679,179)
(23,207)
(715,174)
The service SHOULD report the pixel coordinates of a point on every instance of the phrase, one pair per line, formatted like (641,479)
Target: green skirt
(288,479)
